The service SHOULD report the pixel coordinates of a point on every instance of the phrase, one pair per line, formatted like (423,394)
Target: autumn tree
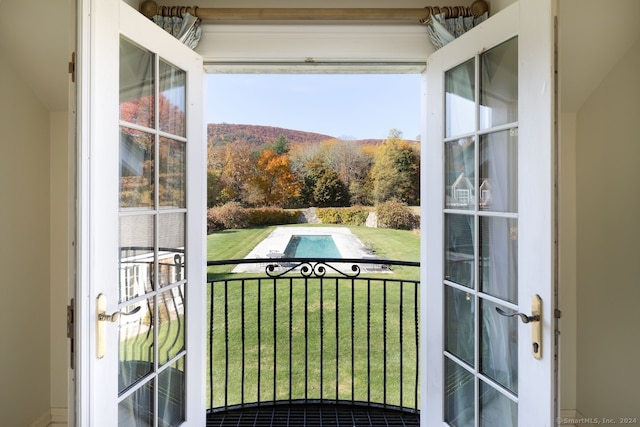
(351,163)
(274,183)
(396,170)
(231,168)
(341,156)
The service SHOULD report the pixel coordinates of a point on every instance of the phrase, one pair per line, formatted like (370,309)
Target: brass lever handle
(523,317)
(101,323)
(536,324)
(103,317)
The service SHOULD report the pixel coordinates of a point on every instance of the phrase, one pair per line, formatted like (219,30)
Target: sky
(345,106)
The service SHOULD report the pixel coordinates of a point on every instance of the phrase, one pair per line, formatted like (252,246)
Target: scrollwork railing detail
(309,269)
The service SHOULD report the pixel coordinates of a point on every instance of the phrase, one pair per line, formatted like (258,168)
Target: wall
(567,261)
(24,253)
(608,253)
(61,182)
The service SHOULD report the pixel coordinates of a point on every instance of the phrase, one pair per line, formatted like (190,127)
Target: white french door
(142,180)
(488,209)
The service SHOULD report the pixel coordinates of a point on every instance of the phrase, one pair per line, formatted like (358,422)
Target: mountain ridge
(258,135)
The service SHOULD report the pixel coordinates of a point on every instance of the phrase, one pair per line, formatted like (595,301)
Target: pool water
(313,246)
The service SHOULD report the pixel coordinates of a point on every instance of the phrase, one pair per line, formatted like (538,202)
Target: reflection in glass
(496,410)
(499,346)
(499,85)
(171,173)
(171,395)
(137,409)
(459,407)
(136,345)
(171,240)
(459,324)
(172,99)
(499,257)
(460,116)
(170,324)
(136,256)
(459,172)
(136,85)
(136,168)
(498,190)
(459,249)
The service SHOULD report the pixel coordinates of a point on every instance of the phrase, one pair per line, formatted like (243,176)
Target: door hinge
(72,67)
(71,334)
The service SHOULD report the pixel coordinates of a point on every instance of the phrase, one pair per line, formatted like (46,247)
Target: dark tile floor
(313,415)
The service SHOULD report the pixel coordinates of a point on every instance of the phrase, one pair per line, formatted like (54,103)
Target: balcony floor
(313,415)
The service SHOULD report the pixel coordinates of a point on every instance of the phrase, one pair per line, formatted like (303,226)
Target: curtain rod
(150,8)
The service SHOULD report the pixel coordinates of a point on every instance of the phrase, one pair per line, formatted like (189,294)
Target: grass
(329,359)
(385,243)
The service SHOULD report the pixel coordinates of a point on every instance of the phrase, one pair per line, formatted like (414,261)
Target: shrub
(230,215)
(271,216)
(355,215)
(233,215)
(397,215)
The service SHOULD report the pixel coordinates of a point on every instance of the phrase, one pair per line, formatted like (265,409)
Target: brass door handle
(536,324)
(523,317)
(102,318)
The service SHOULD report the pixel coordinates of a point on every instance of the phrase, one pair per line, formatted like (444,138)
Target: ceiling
(593,38)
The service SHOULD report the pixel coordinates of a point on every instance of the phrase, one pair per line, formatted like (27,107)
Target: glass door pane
(481,239)
(152,146)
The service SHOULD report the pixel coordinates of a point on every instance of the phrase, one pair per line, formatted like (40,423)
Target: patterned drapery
(186,28)
(442,30)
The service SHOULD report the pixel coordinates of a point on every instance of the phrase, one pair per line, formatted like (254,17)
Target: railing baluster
(243,338)
(369,340)
(321,339)
(259,317)
(337,342)
(401,340)
(275,339)
(226,344)
(290,339)
(384,342)
(417,323)
(306,339)
(211,385)
(353,344)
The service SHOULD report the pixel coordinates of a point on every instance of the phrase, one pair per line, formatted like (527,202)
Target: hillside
(256,135)
(224,133)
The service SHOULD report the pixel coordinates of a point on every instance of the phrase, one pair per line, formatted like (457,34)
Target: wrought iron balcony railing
(329,332)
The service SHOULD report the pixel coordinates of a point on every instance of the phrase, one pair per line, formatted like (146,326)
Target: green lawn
(286,336)
(388,244)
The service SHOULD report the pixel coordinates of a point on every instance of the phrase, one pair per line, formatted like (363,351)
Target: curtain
(186,28)
(443,30)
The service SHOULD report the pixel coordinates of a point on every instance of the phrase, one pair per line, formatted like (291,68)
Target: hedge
(233,215)
(355,215)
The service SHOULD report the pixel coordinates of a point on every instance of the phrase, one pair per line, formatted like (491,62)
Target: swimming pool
(312,246)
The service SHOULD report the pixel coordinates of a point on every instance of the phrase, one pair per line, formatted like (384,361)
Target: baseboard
(59,417)
(54,417)
(43,420)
